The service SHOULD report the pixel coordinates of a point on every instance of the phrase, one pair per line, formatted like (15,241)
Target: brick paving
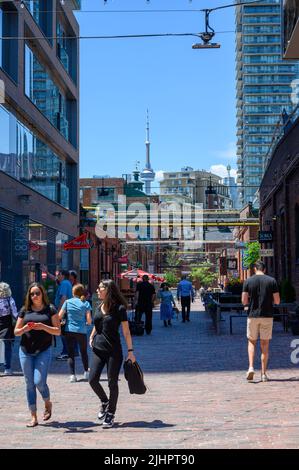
(198,396)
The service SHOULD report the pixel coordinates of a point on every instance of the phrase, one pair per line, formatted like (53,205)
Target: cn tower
(147,174)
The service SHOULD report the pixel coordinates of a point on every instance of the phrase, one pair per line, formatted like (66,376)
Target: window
(9,47)
(41,11)
(105,194)
(29,160)
(49,99)
(1,34)
(67,49)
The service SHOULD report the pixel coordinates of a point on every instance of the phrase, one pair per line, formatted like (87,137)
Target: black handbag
(134,376)
(63,320)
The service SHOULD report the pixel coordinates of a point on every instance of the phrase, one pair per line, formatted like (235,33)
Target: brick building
(279,206)
(102,259)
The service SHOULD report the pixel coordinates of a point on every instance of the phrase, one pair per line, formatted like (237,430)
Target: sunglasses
(37,293)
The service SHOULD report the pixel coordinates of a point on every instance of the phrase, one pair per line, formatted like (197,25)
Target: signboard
(269,252)
(78,243)
(231,264)
(265,236)
(21,235)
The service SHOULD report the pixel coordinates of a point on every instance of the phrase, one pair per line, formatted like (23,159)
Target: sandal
(32,424)
(48,412)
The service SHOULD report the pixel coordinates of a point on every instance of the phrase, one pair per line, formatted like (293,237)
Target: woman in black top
(106,346)
(37,322)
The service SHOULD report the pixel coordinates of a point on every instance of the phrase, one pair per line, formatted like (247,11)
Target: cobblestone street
(198,396)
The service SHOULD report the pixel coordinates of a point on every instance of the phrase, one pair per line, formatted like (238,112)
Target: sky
(190,93)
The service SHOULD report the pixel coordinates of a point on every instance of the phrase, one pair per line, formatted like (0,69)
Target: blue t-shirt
(64,290)
(76,315)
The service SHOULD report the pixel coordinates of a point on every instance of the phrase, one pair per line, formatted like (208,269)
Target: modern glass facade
(263,88)
(44,93)
(40,10)
(26,158)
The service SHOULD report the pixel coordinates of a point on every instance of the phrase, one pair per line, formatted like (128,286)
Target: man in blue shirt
(185,293)
(64,292)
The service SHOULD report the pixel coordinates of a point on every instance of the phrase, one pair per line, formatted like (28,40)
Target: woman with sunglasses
(106,347)
(37,323)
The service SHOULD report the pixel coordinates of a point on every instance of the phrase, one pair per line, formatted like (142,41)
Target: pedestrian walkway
(198,396)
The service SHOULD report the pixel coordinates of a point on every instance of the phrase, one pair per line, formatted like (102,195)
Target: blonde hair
(79,291)
(4,290)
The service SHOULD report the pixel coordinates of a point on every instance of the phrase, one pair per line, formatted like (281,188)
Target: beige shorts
(259,327)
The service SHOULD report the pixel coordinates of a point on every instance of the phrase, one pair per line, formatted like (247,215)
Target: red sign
(78,243)
(33,246)
(123,259)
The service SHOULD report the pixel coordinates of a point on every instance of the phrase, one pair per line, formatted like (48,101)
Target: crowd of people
(39,322)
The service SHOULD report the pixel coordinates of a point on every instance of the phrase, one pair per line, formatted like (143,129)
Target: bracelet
(130,350)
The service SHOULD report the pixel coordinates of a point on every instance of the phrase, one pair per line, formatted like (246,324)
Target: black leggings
(98,363)
(71,340)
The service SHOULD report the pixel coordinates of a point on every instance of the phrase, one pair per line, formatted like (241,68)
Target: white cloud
(159,175)
(229,153)
(221,171)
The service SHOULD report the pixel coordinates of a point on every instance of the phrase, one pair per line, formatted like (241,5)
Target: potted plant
(235,285)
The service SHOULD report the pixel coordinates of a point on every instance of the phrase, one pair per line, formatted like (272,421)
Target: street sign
(269,252)
(266,236)
(232,264)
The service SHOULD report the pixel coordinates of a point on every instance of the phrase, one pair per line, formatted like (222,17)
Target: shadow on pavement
(73,426)
(144,424)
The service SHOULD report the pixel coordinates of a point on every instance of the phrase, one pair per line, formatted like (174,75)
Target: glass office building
(263,89)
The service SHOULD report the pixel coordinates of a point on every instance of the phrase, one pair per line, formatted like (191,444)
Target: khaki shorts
(259,326)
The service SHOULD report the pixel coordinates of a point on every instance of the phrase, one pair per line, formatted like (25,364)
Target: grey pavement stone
(198,396)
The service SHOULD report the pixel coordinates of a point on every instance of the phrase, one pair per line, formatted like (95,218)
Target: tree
(205,274)
(172,261)
(251,254)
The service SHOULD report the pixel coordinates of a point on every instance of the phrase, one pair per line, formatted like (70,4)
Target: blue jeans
(35,369)
(8,344)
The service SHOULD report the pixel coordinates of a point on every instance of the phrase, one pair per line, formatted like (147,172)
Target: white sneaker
(250,373)
(8,372)
(264,378)
(73,378)
(86,375)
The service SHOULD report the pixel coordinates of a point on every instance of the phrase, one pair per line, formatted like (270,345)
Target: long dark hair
(28,298)
(113,295)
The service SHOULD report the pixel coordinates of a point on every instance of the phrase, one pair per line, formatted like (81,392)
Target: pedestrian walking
(78,314)
(259,293)
(73,277)
(106,347)
(202,293)
(185,293)
(167,304)
(36,324)
(63,293)
(8,316)
(145,296)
